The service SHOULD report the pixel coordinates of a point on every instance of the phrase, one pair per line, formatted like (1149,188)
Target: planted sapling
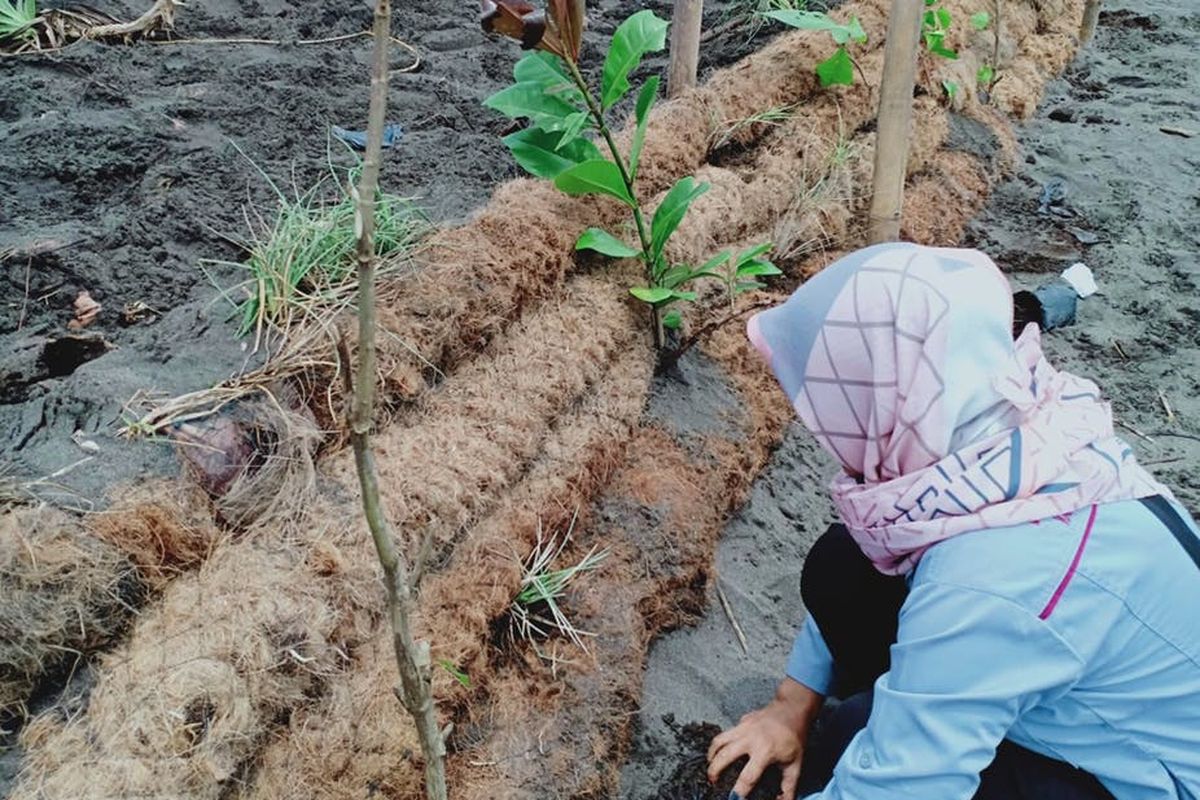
(563,109)
(838,69)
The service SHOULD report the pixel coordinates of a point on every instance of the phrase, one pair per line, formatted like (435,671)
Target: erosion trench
(522,403)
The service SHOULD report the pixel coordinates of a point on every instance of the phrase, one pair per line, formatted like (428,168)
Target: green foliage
(951,88)
(986,75)
(301,261)
(981,20)
(17,18)
(455,672)
(935,25)
(838,69)
(551,92)
(640,34)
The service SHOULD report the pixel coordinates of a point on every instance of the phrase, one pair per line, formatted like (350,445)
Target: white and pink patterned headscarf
(900,360)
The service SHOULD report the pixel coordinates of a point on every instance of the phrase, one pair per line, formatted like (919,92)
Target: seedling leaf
(951,88)
(981,20)
(670,211)
(642,114)
(639,34)
(604,242)
(543,154)
(596,176)
(985,74)
(651,294)
(838,69)
(547,111)
(672,319)
(455,672)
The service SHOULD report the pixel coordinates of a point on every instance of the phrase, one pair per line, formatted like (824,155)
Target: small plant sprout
(935,25)
(551,92)
(986,76)
(535,612)
(838,69)
(301,260)
(17,18)
(776,115)
(456,673)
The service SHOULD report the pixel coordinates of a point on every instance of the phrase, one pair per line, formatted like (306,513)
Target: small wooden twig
(1134,431)
(1162,398)
(724,27)
(161,13)
(1120,350)
(737,628)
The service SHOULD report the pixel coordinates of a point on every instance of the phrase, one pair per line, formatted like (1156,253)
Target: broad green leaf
(546,70)
(929,20)
(981,20)
(651,295)
(856,30)
(985,74)
(670,211)
(817,21)
(676,275)
(944,18)
(838,69)
(688,296)
(640,34)
(575,124)
(597,176)
(538,152)
(672,319)
(758,268)
(604,242)
(951,88)
(714,262)
(642,114)
(753,253)
(548,112)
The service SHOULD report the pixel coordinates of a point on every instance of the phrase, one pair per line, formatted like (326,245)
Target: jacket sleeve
(810,662)
(965,666)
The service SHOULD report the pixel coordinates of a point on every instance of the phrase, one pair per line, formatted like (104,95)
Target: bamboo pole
(685,45)
(895,118)
(1091,15)
(412,657)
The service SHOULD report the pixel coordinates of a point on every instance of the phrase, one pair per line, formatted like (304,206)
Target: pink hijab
(900,360)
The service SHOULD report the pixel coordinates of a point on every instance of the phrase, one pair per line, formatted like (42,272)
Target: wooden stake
(1091,15)
(895,117)
(685,45)
(412,657)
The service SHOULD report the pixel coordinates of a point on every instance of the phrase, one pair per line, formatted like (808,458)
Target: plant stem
(412,658)
(639,220)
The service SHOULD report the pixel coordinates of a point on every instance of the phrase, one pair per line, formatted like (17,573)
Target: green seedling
(563,110)
(838,69)
(951,89)
(17,18)
(301,259)
(536,612)
(935,25)
(455,672)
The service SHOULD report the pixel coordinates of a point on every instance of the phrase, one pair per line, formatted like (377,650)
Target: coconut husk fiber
(273,616)
(356,736)
(66,595)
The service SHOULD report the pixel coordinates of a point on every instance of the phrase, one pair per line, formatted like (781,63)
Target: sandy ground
(1135,189)
(129,166)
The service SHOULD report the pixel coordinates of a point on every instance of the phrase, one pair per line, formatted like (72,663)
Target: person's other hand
(771,735)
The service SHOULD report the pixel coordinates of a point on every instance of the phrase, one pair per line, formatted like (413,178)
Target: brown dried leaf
(86,311)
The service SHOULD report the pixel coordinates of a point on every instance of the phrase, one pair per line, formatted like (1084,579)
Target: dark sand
(1134,187)
(122,172)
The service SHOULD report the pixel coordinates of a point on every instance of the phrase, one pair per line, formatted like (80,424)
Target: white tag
(1079,275)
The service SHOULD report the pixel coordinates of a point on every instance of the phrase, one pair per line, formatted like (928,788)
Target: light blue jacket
(1078,638)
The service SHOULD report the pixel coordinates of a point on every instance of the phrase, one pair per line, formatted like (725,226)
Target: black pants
(857,609)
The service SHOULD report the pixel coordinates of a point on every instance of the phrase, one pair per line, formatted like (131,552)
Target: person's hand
(772,735)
